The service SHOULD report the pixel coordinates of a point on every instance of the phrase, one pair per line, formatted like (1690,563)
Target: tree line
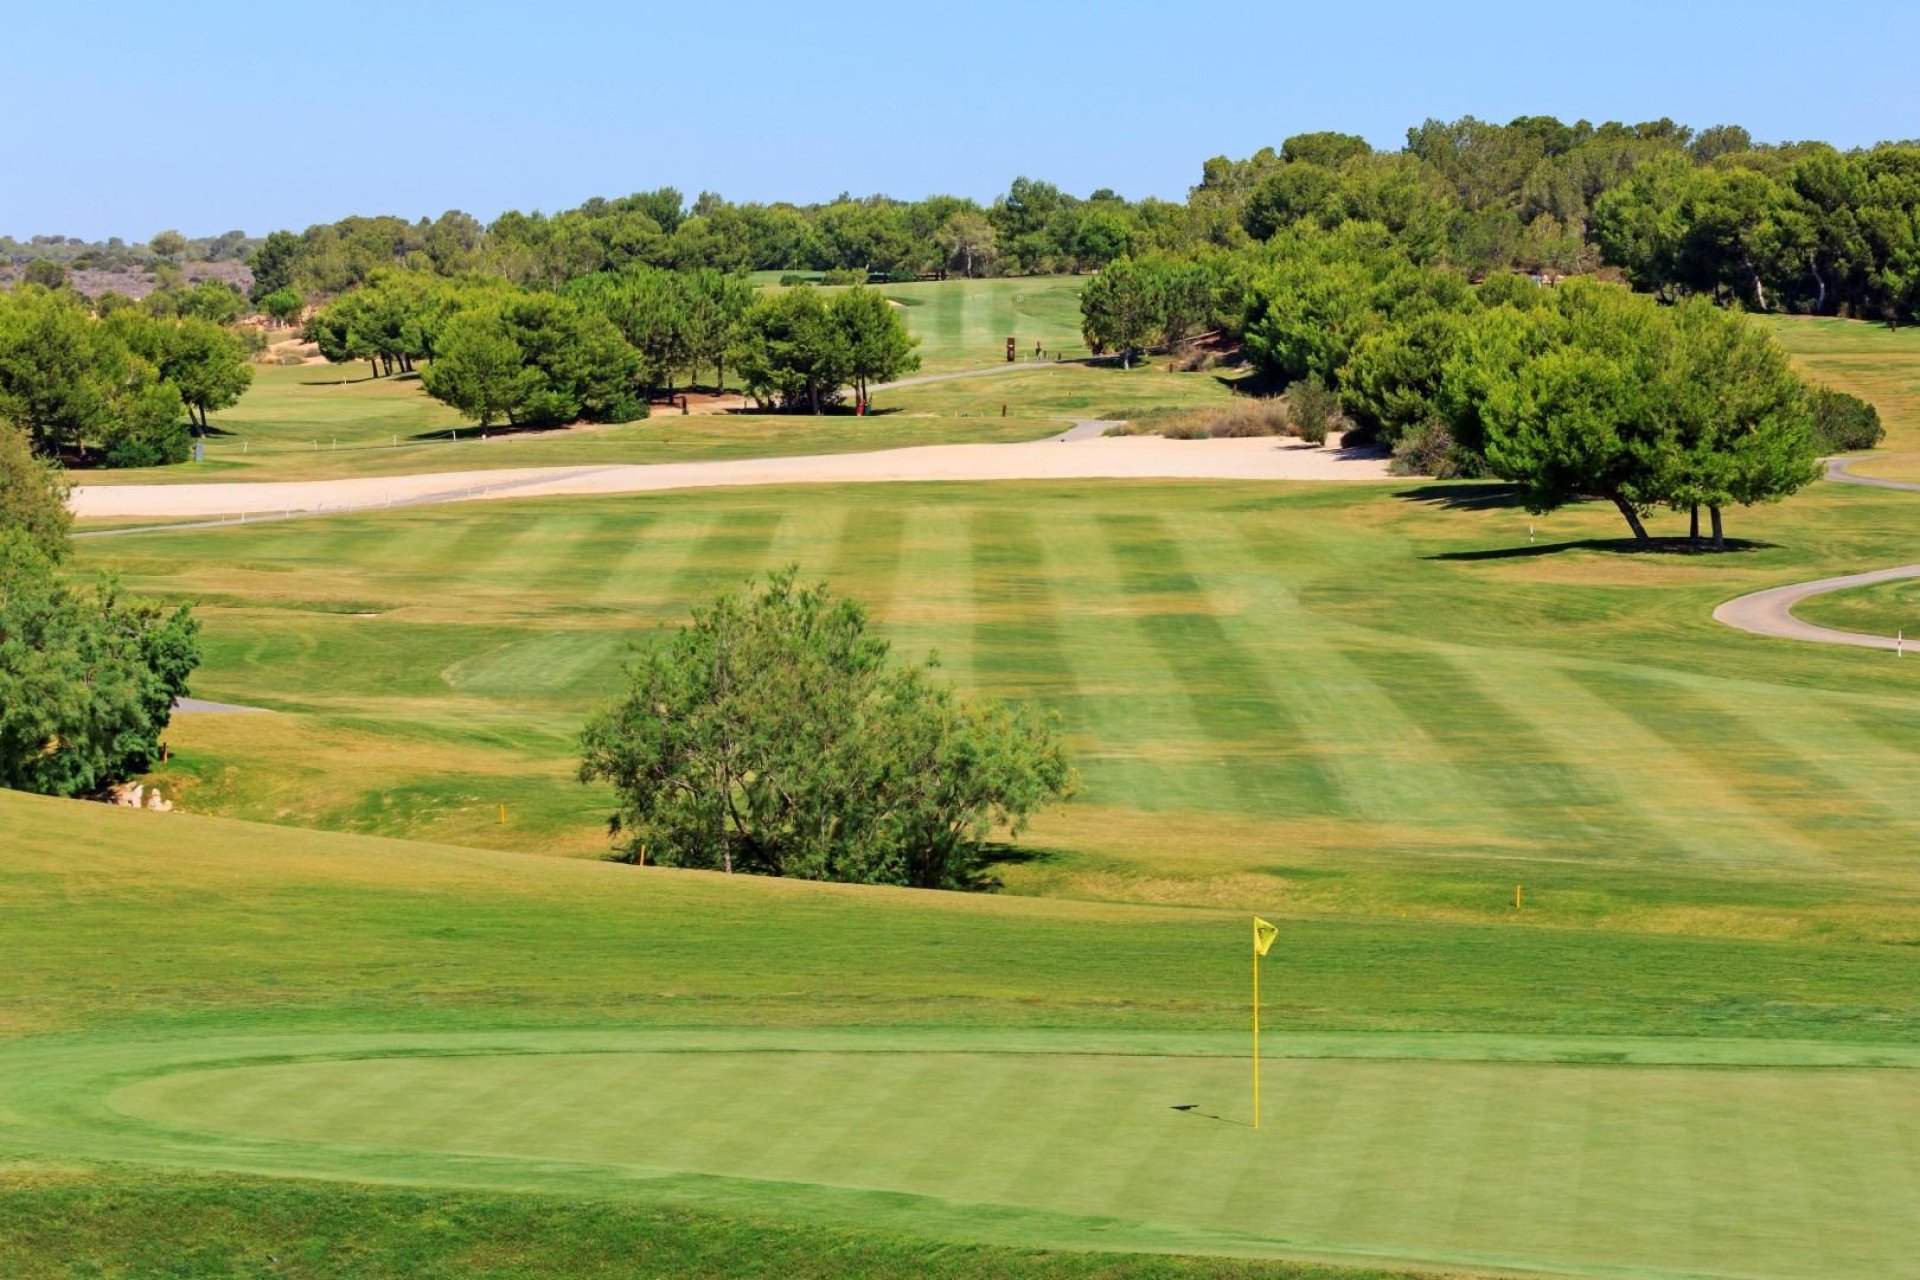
(1801,226)
(602,346)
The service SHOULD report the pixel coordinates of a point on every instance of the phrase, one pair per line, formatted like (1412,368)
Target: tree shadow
(1463,495)
(335,381)
(1611,546)
(996,855)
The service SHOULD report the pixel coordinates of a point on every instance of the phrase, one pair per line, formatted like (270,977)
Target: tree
(967,240)
(536,359)
(790,351)
(206,363)
(284,305)
(1120,308)
(87,679)
(772,735)
(168,244)
(33,495)
(480,371)
(58,369)
(1741,417)
(879,348)
(1604,394)
(715,302)
(275,262)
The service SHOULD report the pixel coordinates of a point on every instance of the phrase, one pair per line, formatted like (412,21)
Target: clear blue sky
(122,119)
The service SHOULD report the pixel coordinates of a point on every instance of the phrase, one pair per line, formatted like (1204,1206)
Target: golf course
(1596,916)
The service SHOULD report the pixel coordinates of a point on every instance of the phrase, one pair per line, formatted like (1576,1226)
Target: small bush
(1314,410)
(844,275)
(1844,423)
(1429,449)
(1186,429)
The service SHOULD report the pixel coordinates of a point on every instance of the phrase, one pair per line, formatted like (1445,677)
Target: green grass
(681,1056)
(300,423)
(1881,609)
(139,1226)
(1365,712)
(1269,689)
(1872,361)
(965,324)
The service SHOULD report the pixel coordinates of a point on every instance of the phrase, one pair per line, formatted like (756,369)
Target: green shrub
(1843,423)
(1314,410)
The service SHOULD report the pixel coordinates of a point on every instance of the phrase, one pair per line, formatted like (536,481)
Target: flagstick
(1256,1037)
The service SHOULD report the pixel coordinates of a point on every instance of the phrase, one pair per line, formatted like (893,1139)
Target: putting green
(1449,1150)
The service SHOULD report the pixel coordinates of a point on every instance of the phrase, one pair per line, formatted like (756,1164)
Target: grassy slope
(1879,364)
(162,945)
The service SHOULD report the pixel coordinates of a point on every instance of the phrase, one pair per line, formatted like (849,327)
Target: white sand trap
(1103,458)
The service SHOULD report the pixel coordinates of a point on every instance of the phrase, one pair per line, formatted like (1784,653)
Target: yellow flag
(1263,936)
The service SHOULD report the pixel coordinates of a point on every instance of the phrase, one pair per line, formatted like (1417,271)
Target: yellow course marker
(503,815)
(1263,936)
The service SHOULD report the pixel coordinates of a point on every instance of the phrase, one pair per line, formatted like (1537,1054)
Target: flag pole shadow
(1193,1109)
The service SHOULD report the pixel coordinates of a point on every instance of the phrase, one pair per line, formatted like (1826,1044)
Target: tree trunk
(1759,290)
(1693,524)
(1820,303)
(1633,520)
(1719,535)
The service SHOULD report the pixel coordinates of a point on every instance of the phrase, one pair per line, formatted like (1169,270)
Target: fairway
(1371,699)
(1578,1156)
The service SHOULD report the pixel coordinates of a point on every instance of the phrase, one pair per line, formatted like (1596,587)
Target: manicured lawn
(872,1069)
(1371,700)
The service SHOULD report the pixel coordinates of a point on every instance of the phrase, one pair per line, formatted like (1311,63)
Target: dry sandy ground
(1100,458)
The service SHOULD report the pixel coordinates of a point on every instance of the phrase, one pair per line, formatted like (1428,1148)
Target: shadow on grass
(1456,495)
(1193,1109)
(1611,546)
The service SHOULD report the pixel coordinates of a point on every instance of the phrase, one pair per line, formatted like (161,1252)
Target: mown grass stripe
(733,549)
(1537,794)
(1274,768)
(1694,806)
(1148,750)
(1780,777)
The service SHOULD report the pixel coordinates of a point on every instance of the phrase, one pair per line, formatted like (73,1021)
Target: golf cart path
(1084,452)
(1770,612)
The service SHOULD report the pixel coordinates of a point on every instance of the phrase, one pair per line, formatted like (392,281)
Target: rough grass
(73,1226)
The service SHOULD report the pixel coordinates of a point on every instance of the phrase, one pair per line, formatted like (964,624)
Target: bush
(1844,423)
(1429,449)
(772,735)
(844,275)
(1314,410)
